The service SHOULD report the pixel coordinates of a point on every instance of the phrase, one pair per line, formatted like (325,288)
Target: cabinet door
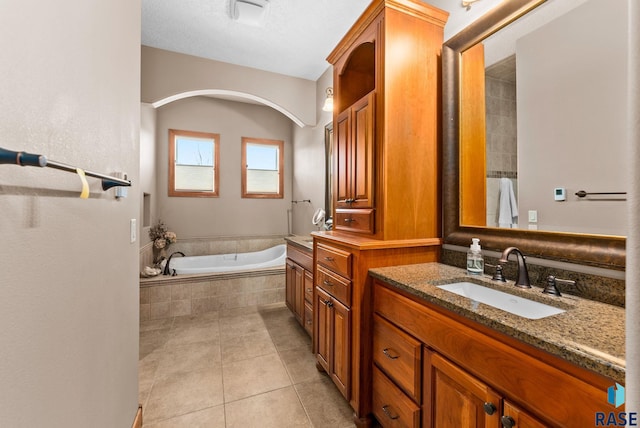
(457,398)
(362,153)
(290,282)
(342,158)
(322,316)
(353,155)
(341,352)
(299,292)
(512,416)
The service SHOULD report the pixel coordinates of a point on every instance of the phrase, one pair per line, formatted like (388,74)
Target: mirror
(472,178)
(328,182)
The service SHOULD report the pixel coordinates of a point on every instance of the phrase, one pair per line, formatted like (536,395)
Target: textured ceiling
(295,38)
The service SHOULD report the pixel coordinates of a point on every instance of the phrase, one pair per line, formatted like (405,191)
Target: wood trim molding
(137,422)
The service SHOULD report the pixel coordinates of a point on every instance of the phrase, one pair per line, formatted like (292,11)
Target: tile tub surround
(589,334)
(164,297)
(593,287)
(213,246)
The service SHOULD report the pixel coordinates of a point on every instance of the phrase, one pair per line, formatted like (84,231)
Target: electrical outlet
(533,216)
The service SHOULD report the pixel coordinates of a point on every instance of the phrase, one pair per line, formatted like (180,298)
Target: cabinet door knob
(386,411)
(507,422)
(385,351)
(489,408)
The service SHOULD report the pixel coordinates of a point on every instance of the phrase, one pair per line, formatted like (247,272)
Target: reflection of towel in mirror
(508,209)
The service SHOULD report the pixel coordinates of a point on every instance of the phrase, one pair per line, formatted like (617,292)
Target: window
(262,168)
(193,163)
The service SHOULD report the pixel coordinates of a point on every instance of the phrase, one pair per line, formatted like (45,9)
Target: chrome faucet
(522,280)
(167,271)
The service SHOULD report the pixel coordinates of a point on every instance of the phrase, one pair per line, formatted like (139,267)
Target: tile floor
(249,367)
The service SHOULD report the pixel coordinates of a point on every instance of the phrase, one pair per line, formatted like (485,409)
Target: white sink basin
(507,302)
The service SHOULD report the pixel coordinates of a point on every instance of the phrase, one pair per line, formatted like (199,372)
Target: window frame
(266,142)
(175,133)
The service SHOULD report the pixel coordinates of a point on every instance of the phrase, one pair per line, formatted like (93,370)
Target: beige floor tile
(192,333)
(324,404)
(247,346)
(189,357)
(301,364)
(183,393)
(156,324)
(289,336)
(241,325)
(190,320)
(245,378)
(275,409)
(212,417)
(152,340)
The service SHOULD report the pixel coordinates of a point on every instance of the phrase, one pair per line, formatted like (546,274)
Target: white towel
(508,206)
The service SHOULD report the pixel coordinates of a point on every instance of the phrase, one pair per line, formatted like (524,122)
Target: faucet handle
(498,275)
(552,287)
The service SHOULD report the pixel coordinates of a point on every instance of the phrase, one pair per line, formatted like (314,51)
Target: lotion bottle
(475,261)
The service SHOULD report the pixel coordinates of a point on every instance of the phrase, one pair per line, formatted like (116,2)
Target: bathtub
(273,257)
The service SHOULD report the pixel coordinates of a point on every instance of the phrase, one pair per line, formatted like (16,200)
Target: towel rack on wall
(582,193)
(30,159)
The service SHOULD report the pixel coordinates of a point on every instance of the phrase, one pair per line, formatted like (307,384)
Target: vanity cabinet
(471,376)
(299,284)
(343,327)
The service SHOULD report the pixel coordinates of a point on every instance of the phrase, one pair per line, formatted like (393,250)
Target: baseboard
(137,422)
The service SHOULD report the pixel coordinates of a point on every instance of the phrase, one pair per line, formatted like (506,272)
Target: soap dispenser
(475,262)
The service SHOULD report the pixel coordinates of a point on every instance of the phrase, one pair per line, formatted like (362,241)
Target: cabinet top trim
(415,8)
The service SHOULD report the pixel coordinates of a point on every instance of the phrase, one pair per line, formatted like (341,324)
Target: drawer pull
(348,220)
(327,283)
(329,259)
(507,422)
(489,408)
(309,290)
(328,303)
(386,411)
(385,351)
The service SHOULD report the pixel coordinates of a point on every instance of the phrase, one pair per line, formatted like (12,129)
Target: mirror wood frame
(594,250)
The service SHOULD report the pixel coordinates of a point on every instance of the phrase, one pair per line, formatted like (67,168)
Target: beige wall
(572,119)
(69,79)
(229,214)
(168,74)
(309,162)
(148,182)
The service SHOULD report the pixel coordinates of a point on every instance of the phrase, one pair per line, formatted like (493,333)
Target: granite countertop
(305,241)
(589,334)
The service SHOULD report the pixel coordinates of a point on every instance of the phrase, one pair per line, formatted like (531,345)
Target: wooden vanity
(435,366)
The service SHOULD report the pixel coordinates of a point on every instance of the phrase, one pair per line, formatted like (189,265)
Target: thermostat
(560,194)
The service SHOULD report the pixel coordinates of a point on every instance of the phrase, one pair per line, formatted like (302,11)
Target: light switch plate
(133,230)
(533,216)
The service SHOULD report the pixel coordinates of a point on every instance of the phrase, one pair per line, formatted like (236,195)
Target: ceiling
(294,38)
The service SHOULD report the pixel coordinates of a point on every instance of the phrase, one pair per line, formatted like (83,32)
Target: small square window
(262,168)
(193,163)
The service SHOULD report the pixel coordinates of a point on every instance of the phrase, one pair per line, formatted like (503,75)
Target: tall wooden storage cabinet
(386,80)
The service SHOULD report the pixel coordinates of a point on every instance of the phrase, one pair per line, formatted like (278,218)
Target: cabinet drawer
(398,355)
(353,220)
(334,259)
(308,317)
(335,285)
(308,287)
(302,257)
(391,406)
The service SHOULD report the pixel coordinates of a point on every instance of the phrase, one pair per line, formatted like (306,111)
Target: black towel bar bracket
(582,193)
(29,159)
